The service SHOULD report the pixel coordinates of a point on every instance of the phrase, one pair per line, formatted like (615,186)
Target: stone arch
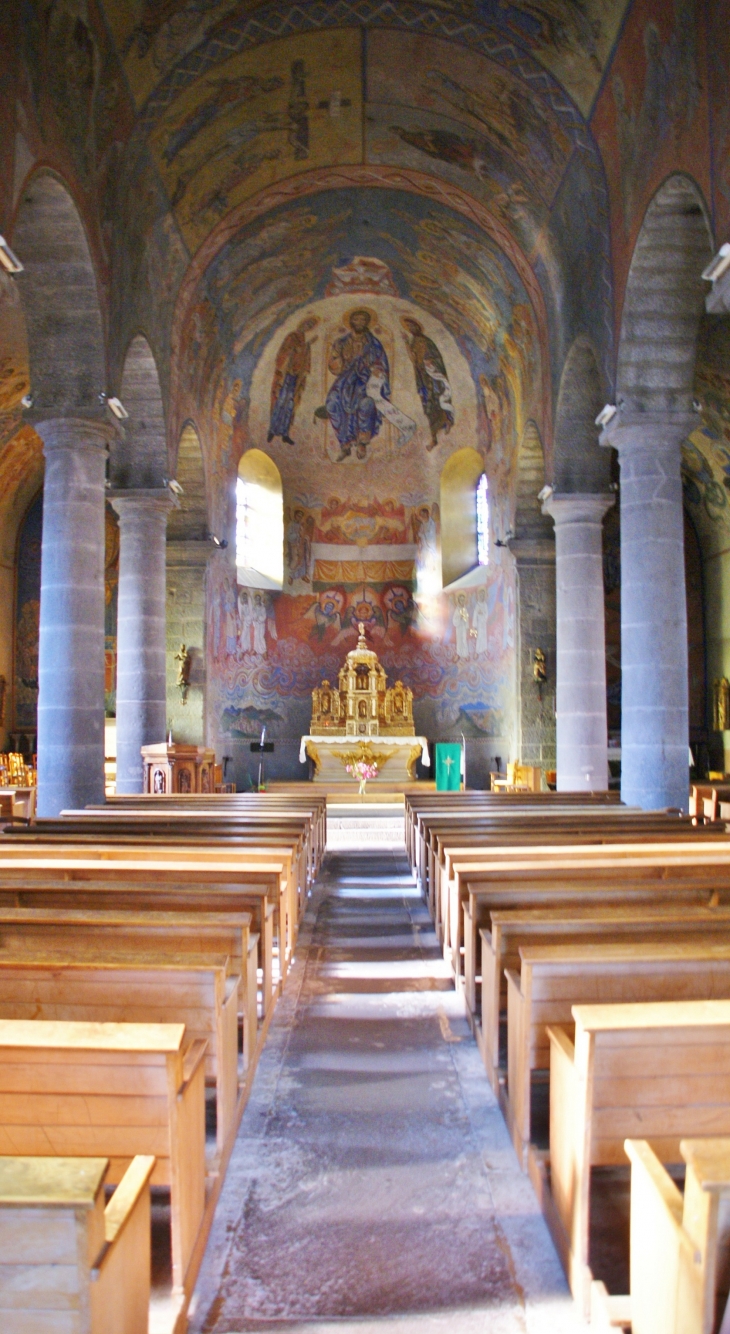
(580,465)
(139,458)
(530,523)
(190,521)
(459,478)
(663,302)
(60,300)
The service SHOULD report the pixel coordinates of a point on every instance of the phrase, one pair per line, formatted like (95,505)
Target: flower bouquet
(362,770)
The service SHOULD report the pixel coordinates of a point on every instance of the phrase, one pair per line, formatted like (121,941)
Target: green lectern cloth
(448,766)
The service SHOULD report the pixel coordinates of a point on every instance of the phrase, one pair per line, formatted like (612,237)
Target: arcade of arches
(514,223)
(344,260)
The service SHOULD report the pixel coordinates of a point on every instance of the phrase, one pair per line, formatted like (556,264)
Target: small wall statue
(721,705)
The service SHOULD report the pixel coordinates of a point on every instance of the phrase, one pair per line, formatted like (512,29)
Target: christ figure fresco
(356,358)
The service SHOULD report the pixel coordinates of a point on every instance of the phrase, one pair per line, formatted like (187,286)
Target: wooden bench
(111,1090)
(458,838)
(68,1263)
(170,885)
(567,891)
(155,934)
(157,862)
(85,985)
(606,866)
(660,1070)
(646,921)
(554,978)
(567,835)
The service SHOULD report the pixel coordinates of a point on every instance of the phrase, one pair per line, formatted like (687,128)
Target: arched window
(259,522)
(461,479)
(482,500)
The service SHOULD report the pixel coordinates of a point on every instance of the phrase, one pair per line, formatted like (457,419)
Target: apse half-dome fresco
(387,246)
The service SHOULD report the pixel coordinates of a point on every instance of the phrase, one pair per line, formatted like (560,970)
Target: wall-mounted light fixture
(28,400)
(606,415)
(545,494)
(9,261)
(219,542)
(173,485)
(719,265)
(118,408)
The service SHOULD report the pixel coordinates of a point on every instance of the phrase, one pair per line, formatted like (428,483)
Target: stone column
(581,641)
(535,562)
(71,648)
(654,685)
(141,675)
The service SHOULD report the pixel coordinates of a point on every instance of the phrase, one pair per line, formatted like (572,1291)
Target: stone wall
(186,571)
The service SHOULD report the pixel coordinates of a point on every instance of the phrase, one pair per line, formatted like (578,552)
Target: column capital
(138,503)
(578,507)
(75,433)
(659,432)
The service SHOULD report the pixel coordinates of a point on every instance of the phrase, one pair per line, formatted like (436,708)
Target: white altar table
(395,756)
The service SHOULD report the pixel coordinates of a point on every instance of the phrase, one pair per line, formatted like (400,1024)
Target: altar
(395,757)
(362,720)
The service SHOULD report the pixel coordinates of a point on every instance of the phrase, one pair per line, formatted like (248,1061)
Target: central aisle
(373,1176)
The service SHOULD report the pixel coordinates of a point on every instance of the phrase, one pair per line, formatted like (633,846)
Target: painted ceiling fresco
(570,38)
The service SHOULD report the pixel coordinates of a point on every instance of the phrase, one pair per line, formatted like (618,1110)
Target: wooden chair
(68,1263)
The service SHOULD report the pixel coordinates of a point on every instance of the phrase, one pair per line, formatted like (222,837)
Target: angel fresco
(293,364)
(432,381)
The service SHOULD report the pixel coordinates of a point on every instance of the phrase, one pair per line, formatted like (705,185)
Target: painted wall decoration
(264,115)
(359,398)
(718,61)
(652,116)
(27,617)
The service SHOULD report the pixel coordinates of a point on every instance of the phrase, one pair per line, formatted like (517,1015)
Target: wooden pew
(88,986)
(68,1263)
(648,920)
(253,805)
(170,884)
(262,865)
(554,978)
(561,833)
(603,865)
(679,1245)
(454,838)
(418,806)
(154,934)
(659,1070)
(113,1090)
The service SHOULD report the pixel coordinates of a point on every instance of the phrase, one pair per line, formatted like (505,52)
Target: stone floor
(373,1186)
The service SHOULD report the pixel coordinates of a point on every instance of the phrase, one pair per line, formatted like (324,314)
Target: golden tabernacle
(378,718)
(362,704)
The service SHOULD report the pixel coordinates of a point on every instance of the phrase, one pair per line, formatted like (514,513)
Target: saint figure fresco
(432,381)
(293,364)
(299,546)
(355,359)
